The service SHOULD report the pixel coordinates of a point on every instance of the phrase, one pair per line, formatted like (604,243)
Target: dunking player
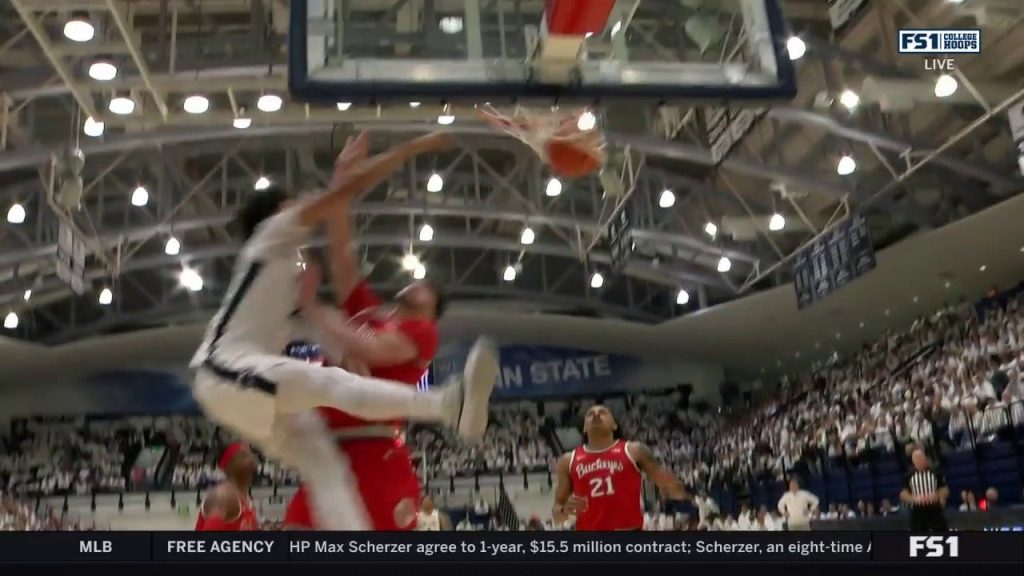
(395,343)
(226,507)
(600,482)
(245,383)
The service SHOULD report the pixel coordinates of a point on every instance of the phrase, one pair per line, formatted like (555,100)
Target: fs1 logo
(935,546)
(930,41)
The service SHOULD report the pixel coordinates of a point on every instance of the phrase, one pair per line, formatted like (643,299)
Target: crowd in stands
(956,377)
(18,516)
(512,443)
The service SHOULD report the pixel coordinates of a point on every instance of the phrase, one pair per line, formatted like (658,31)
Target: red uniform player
(379,459)
(227,507)
(601,482)
(396,344)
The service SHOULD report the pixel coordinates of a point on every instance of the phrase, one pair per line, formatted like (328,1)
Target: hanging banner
(1016,114)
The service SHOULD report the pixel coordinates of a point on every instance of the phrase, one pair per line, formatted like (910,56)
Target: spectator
(798,507)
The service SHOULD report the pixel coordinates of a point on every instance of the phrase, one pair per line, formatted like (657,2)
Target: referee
(925,492)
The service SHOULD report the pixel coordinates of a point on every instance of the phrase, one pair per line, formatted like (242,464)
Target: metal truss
(198,169)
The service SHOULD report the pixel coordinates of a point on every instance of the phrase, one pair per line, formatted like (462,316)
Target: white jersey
(256,314)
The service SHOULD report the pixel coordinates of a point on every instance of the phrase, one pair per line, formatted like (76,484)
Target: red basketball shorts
(387,483)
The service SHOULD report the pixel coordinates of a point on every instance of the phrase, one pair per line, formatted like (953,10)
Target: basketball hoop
(569,142)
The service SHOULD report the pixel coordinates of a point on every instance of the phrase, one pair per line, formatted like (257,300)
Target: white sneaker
(478,380)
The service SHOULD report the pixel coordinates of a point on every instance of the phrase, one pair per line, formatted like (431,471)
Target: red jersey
(611,484)
(245,521)
(423,333)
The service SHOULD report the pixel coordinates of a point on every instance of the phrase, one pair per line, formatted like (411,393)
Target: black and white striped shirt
(924,482)
(926,516)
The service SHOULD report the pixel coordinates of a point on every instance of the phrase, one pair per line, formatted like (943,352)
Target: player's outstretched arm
(356,179)
(341,249)
(662,478)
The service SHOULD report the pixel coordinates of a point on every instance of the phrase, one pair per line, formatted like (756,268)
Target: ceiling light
(667,199)
(420,272)
(262,183)
(916,299)
(196,104)
(451,24)
(102,70)
(847,165)
(241,122)
(682,297)
(27,295)
(711,229)
(554,187)
(796,47)
(121,105)
(596,281)
(445,119)
(945,86)
(982,268)
(617,27)
(527,236)
(191,280)
(777,222)
(269,103)
(106,297)
(948,283)
(838,335)
(586,121)
(78,28)
(435,183)
(92,127)
(850,99)
(172,247)
(140,197)
(16,214)
(862,324)
(410,262)
(426,233)
(510,273)
(817,345)
(11,321)
(888,312)
(724,264)
(414,104)
(342,106)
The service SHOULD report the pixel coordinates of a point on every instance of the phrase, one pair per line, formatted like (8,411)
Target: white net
(559,137)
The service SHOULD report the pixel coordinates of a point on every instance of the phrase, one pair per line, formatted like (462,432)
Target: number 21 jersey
(611,483)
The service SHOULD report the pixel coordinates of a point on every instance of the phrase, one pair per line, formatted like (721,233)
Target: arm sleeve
(361,298)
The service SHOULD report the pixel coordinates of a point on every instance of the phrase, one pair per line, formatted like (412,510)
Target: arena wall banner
(544,371)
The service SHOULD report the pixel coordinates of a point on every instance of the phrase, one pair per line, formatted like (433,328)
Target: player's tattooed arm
(665,480)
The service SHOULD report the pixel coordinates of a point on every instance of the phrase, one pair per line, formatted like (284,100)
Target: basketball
(573,158)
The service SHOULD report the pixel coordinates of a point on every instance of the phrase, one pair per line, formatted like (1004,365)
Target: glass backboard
(471,50)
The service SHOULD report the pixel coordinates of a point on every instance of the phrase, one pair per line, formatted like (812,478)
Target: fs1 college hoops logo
(934,546)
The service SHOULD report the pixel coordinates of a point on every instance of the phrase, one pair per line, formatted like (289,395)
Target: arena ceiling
(922,162)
